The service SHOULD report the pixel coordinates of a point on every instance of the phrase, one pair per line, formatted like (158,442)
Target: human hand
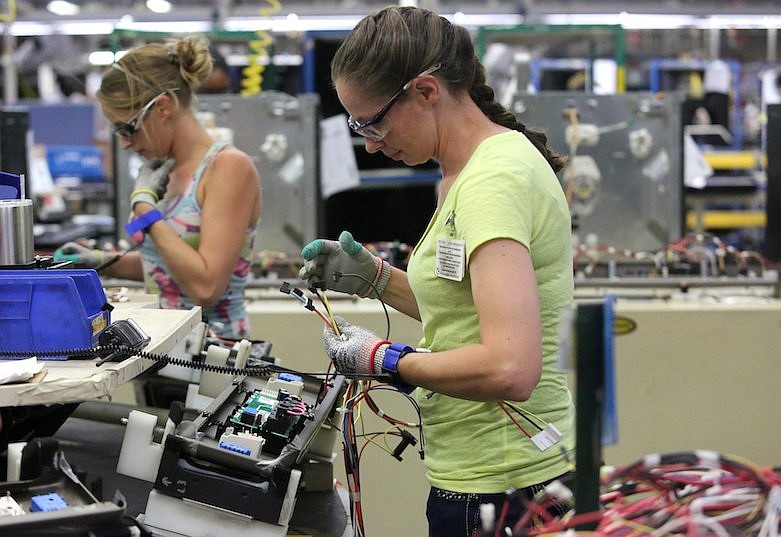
(152,181)
(356,352)
(344,266)
(79,254)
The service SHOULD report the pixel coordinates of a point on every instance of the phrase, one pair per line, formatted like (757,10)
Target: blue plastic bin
(51,310)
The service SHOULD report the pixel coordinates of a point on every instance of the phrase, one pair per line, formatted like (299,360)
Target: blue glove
(356,352)
(344,266)
(152,181)
(81,255)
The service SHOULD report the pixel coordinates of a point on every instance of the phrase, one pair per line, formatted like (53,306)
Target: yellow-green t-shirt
(506,190)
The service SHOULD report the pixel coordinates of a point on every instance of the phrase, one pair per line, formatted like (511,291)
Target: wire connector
(549,436)
(298,294)
(406,440)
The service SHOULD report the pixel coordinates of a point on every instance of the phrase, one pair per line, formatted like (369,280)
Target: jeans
(457,514)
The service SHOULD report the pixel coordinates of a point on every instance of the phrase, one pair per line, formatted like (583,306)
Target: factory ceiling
(533,10)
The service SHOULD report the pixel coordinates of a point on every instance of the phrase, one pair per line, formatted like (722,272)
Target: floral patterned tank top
(228,316)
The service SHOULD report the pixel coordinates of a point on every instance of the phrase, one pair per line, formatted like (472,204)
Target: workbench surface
(71,381)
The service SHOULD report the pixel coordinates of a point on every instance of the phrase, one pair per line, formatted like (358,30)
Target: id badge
(451,259)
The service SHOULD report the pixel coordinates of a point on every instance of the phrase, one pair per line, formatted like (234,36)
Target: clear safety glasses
(372,129)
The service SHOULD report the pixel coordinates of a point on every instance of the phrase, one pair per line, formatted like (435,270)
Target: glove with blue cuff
(152,181)
(345,266)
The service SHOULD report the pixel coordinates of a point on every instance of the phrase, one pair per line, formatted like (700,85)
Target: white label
(451,258)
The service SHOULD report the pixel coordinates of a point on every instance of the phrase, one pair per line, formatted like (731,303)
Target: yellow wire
(330,313)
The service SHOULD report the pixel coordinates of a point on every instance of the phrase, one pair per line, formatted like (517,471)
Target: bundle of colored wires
(359,392)
(689,494)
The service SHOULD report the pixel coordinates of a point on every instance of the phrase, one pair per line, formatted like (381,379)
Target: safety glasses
(372,129)
(129,129)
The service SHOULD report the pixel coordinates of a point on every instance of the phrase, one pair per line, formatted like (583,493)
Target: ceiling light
(158,6)
(62,8)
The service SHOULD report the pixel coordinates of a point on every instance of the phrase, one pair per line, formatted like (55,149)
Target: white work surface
(71,381)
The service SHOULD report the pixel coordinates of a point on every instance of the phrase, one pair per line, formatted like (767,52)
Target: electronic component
(268,418)
(246,453)
(47,502)
(123,338)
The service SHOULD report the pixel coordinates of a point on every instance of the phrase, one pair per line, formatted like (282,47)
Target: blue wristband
(393,354)
(143,222)
(390,363)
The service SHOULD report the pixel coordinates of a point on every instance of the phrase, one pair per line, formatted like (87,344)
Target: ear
(165,105)
(428,87)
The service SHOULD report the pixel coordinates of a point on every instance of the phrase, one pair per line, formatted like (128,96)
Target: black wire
(522,414)
(92,352)
(338,275)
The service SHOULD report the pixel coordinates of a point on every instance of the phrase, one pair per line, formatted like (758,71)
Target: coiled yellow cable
(252,82)
(10,16)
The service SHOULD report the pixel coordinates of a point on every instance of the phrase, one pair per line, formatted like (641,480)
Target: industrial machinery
(624,177)
(238,466)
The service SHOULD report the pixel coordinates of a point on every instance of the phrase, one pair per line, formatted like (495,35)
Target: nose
(125,143)
(372,146)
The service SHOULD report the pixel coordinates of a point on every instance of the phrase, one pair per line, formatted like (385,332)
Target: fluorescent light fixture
(660,21)
(167,26)
(630,21)
(158,6)
(281,24)
(101,57)
(741,21)
(70,27)
(62,8)
(346,23)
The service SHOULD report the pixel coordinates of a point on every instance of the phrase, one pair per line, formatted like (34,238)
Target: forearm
(199,281)
(127,268)
(398,294)
(477,372)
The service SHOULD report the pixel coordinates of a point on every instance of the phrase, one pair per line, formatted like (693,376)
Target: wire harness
(686,494)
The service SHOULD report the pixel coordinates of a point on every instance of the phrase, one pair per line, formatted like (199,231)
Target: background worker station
(669,116)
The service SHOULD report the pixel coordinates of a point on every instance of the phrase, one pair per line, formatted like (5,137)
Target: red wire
(512,418)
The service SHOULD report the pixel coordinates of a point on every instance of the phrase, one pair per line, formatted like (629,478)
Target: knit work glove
(152,181)
(81,255)
(357,352)
(344,266)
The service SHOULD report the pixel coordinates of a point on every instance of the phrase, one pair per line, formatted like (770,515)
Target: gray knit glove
(152,181)
(344,266)
(357,352)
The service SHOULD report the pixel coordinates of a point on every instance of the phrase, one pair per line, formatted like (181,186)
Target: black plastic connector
(406,440)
